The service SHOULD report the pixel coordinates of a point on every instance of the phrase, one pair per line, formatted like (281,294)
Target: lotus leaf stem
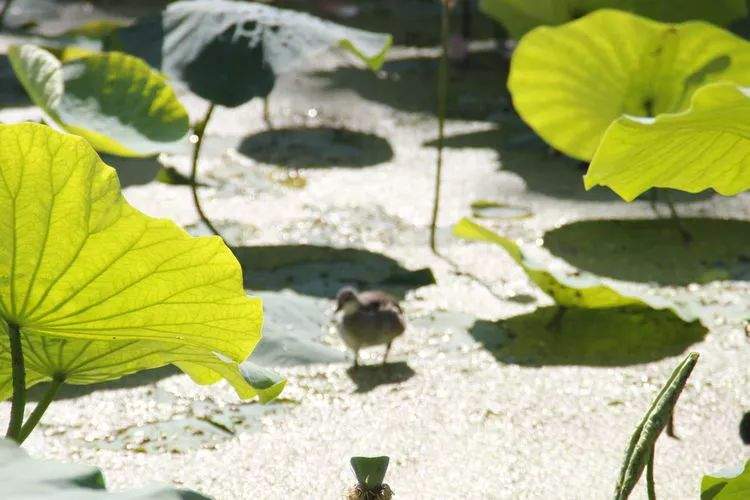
(650,485)
(442,96)
(18,402)
(41,407)
(4,11)
(200,130)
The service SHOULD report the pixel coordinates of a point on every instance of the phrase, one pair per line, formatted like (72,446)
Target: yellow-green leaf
(100,290)
(114,100)
(520,16)
(570,82)
(581,289)
(706,146)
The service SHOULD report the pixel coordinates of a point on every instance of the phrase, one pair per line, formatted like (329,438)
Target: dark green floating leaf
(230,52)
(644,438)
(26,478)
(370,471)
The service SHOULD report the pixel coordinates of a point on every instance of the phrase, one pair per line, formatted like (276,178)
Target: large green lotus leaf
(520,16)
(26,478)
(734,485)
(114,100)
(582,289)
(706,146)
(100,290)
(230,52)
(570,82)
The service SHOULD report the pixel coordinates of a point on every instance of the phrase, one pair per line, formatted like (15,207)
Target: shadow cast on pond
(475,91)
(590,337)
(11,91)
(646,250)
(139,379)
(543,170)
(320,271)
(318,147)
(368,377)
(133,171)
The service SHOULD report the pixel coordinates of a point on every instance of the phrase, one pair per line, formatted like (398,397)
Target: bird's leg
(387,350)
(356,358)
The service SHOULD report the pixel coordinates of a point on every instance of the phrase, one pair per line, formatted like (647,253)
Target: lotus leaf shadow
(317,148)
(368,377)
(11,91)
(654,251)
(133,171)
(588,337)
(321,271)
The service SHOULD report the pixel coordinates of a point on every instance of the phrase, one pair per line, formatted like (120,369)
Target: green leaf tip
(370,471)
(101,290)
(730,485)
(571,82)
(647,432)
(114,100)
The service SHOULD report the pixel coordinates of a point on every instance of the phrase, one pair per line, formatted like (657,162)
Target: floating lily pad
(577,289)
(98,290)
(486,209)
(705,146)
(570,82)
(230,52)
(26,478)
(520,16)
(119,104)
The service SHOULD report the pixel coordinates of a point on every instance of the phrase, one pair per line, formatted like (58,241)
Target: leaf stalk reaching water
(18,402)
(41,407)
(442,91)
(200,130)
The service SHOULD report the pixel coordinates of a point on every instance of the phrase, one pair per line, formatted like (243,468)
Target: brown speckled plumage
(369,319)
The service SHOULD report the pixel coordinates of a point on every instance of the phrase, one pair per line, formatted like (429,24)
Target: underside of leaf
(100,290)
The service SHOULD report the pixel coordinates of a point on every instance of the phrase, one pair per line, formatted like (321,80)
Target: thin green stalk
(18,403)
(650,485)
(4,11)
(686,236)
(442,96)
(267,112)
(200,130)
(40,408)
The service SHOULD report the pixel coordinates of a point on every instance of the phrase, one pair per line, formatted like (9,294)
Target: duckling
(369,319)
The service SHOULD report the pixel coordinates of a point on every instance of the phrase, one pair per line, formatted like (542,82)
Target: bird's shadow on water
(318,147)
(520,151)
(618,336)
(646,250)
(475,91)
(368,377)
(320,271)
(70,391)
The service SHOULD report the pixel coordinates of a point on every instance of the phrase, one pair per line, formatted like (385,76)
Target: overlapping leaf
(582,289)
(520,16)
(114,100)
(230,52)
(570,82)
(706,146)
(100,290)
